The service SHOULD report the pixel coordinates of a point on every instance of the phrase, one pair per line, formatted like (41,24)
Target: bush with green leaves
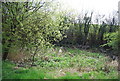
(31,26)
(113,40)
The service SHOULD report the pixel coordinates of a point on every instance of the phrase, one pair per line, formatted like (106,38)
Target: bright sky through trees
(100,6)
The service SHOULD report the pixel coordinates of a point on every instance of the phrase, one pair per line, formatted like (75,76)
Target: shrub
(113,40)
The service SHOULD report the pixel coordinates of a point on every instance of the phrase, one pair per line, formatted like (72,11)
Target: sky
(99,6)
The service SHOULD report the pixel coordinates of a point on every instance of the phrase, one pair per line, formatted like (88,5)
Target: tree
(102,30)
(87,22)
(30,26)
(13,15)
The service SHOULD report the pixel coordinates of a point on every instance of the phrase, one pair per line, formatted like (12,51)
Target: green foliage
(32,26)
(112,40)
(84,32)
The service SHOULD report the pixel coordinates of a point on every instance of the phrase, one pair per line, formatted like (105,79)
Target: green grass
(23,73)
(70,64)
(70,76)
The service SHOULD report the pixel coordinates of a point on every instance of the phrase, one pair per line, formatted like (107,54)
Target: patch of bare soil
(114,64)
(79,71)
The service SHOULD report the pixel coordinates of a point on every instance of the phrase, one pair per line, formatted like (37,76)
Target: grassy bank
(68,64)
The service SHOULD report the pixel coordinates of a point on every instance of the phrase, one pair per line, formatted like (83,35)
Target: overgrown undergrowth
(67,64)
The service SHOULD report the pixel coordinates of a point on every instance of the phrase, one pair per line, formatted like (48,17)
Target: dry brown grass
(18,56)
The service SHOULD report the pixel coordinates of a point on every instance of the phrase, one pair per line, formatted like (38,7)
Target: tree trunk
(5,53)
